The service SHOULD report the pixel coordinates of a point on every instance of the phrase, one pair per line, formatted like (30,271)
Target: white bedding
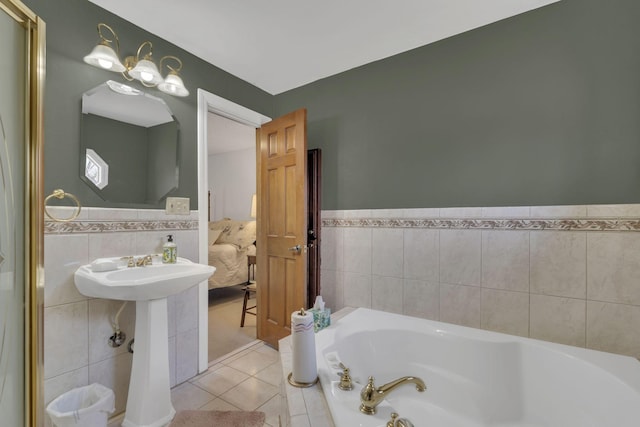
(230,263)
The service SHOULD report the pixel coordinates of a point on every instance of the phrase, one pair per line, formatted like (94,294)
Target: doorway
(231,163)
(209,103)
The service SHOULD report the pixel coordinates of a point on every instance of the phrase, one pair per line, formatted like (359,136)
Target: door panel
(290,139)
(290,219)
(281,223)
(275,289)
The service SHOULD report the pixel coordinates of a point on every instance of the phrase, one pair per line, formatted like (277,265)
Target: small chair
(249,288)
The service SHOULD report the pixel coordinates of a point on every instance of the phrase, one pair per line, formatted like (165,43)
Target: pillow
(240,233)
(223,224)
(213,236)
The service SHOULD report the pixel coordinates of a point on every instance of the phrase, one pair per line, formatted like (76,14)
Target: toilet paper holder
(302,327)
(299,384)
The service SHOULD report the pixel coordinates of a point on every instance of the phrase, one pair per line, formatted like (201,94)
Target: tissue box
(321,318)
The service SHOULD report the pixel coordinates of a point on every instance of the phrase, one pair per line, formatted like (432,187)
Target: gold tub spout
(370,396)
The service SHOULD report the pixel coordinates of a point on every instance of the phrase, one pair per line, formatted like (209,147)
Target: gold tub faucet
(370,396)
(399,422)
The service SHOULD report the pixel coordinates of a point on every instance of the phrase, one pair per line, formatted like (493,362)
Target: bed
(230,243)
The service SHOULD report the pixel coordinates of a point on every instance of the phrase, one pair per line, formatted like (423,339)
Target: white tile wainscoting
(567,274)
(76,328)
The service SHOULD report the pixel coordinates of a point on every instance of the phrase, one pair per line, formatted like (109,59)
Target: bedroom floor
(225,333)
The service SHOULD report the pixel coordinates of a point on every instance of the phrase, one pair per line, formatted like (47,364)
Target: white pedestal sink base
(149,401)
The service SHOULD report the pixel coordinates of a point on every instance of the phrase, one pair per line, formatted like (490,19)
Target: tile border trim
(490,224)
(52,227)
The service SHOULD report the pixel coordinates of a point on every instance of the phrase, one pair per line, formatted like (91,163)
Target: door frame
(33,334)
(208,102)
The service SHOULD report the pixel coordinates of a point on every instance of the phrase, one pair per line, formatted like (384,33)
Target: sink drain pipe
(118,338)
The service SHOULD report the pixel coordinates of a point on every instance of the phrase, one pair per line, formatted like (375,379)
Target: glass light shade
(147,72)
(103,56)
(173,85)
(122,88)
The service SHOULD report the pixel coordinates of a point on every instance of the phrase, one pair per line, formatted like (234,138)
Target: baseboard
(234,352)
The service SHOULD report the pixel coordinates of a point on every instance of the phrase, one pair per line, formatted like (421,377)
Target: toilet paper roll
(303,348)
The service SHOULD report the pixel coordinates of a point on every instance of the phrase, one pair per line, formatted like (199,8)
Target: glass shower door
(21,207)
(12,193)
(12,232)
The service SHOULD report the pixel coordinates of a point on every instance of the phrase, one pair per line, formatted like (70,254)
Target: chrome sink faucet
(370,396)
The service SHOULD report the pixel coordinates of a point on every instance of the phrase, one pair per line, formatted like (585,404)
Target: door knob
(296,248)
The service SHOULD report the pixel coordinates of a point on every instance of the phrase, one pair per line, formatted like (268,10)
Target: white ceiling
(279,45)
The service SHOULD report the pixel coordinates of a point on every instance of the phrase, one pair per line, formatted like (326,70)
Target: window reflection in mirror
(129,145)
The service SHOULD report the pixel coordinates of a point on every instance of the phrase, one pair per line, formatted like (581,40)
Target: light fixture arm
(171,69)
(105,41)
(147,56)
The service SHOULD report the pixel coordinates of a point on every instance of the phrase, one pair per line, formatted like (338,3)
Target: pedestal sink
(149,402)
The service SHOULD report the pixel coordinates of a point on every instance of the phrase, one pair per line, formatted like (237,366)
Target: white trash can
(87,406)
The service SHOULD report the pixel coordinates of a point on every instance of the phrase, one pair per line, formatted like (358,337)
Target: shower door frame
(34,30)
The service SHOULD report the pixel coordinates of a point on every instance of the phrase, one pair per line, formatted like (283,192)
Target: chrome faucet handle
(345,379)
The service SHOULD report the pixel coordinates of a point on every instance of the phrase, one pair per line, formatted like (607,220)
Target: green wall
(539,109)
(542,108)
(161,167)
(71,34)
(124,148)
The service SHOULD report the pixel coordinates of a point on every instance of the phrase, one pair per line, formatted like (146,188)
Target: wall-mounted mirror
(129,144)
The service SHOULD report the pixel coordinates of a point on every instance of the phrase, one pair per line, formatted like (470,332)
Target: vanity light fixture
(173,84)
(103,55)
(136,67)
(143,70)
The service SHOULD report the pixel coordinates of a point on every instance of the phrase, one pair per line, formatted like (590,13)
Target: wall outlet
(177,206)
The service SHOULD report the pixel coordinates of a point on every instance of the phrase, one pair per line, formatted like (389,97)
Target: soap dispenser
(169,251)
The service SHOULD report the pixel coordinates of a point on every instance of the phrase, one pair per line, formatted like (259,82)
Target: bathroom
(524,124)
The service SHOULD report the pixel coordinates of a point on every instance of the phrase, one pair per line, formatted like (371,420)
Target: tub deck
(475,378)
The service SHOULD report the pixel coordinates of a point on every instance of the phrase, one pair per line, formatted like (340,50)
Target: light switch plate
(177,206)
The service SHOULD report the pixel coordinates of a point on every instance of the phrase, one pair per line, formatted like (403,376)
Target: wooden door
(282,224)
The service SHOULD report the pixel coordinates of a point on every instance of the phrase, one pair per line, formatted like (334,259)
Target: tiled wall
(567,274)
(77,328)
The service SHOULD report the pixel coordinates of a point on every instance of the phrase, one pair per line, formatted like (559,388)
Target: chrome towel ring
(60,194)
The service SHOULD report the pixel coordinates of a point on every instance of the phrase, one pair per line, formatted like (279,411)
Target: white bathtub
(474,378)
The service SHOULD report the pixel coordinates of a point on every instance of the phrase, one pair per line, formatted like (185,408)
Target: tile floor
(248,380)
